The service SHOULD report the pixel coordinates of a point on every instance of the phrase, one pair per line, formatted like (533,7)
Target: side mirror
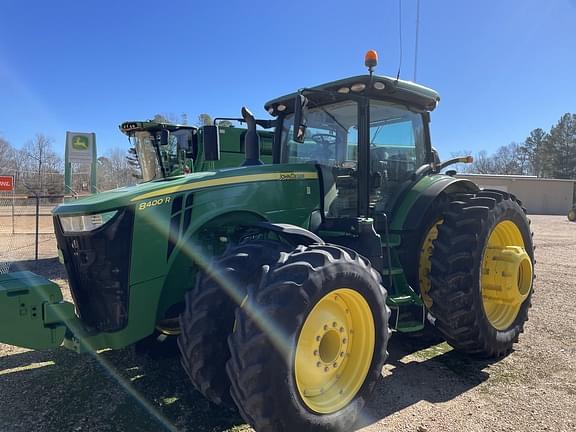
(436,157)
(164,137)
(211,142)
(300,108)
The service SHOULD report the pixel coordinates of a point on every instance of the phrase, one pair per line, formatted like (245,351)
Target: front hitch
(33,313)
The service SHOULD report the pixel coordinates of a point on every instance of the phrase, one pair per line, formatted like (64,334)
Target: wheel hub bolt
(326,369)
(315,352)
(318,364)
(334,324)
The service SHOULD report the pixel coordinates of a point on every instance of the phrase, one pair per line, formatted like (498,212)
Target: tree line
(549,154)
(38,168)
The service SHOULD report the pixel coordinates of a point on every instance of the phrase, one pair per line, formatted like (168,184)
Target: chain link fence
(26,227)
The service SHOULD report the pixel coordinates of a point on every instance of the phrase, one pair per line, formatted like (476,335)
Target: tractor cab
(166,150)
(161,150)
(368,133)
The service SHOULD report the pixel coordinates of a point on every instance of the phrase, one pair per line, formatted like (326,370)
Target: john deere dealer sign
(80,147)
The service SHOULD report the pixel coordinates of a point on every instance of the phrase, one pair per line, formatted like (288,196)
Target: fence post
(13,198)
(37,224)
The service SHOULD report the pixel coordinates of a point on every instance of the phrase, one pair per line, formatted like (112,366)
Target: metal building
(539,195)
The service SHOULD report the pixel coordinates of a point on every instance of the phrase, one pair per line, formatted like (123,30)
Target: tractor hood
(131,195)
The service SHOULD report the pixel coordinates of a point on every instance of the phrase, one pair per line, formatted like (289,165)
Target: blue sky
(502,68)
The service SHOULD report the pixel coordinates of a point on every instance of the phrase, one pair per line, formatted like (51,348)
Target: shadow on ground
(432,372)
(60,390)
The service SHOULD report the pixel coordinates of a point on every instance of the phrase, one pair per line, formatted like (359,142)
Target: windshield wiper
(329,114)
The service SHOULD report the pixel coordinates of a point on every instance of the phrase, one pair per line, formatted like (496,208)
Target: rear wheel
(310,343)
(482,273)
(208,318)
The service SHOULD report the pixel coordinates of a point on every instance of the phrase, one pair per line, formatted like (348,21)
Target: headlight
(85,223)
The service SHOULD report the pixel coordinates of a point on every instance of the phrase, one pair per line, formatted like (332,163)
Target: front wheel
(208,317)
(482,273)
(310,343)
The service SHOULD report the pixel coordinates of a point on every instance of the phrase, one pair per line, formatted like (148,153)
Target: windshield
(396,134)
(329,137)
(147,155)
(397,147)
(144,143)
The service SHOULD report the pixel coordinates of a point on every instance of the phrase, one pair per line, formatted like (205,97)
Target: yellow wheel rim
(506,278)
(425,264)
(334,351)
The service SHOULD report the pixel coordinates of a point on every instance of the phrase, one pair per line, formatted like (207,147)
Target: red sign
(6,183)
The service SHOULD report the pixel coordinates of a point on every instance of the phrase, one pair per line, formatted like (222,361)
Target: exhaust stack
(251,140)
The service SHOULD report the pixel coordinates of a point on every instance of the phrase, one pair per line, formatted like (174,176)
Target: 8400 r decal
(153,203)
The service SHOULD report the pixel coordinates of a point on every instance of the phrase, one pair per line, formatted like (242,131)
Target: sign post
(7,185)
(80,148)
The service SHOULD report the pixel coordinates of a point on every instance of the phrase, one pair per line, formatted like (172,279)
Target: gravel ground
(423,387)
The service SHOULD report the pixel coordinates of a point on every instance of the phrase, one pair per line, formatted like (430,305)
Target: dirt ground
(423,388)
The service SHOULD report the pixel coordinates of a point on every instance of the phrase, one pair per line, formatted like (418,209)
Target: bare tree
(41,163)
(483,163)
(114,170)
(6,157)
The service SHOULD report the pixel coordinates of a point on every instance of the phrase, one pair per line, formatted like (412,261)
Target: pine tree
(534,148)
(562,147)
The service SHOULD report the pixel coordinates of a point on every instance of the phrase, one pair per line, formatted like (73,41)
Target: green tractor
(166,150)
(284,281)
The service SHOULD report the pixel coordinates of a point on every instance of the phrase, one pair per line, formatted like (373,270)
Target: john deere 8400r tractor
(284,280)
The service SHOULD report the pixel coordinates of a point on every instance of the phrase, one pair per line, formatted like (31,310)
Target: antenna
(400,37)
(416,41)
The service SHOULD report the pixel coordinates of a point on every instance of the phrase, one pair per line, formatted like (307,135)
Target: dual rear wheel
(481,262)
(302,342)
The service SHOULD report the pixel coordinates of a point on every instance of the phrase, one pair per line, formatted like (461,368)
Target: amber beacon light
(371,60)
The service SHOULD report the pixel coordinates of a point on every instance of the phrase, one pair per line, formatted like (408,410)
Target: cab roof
(130,126)
(375,87)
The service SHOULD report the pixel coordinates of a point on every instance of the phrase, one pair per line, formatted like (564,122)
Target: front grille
(98,266)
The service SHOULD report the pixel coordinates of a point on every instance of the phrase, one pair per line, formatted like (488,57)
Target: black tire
(208,317)
(263,344)
(456,273)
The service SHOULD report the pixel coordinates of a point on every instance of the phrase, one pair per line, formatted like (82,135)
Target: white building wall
(539,196)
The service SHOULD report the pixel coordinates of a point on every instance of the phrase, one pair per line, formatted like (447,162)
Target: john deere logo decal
(80,143)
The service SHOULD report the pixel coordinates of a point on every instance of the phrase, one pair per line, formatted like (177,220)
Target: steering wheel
(324,139)
(327,144)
